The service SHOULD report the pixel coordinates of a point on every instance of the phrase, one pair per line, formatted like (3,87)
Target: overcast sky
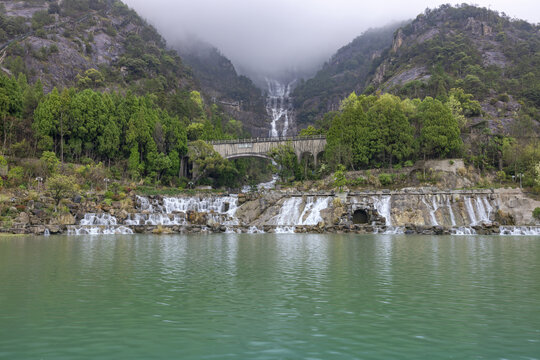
(270,36)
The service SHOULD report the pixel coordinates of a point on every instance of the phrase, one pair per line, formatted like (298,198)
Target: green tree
(50,160)
(339,177)
(207,162)
(11,104)
(309,131)
(285,157)
(60,186)
(439,135)
(393,130)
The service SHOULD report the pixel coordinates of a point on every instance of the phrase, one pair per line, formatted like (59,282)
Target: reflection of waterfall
(278,107)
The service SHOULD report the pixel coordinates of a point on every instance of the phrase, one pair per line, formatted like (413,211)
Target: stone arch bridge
(260,147)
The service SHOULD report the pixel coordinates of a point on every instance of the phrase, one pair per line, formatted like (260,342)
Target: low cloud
(273,37)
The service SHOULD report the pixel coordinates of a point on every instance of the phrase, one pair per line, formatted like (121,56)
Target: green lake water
(270,296)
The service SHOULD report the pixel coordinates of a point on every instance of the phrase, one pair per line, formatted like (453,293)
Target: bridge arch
(260,147)
(239,156)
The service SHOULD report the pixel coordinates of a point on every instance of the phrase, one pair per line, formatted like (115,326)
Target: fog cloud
(269,37)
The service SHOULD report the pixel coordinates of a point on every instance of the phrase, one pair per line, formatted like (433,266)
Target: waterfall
(463,230)
(481,210)
(144,204)
(99,230)
(312,211)
(154,219)
(290,215)
(172,212)
(263,186)
(432,209)
(278,106)
(99,220)
(450,211)
(520,230)
(255,230)
(470,211)
(383,207)
(289,212)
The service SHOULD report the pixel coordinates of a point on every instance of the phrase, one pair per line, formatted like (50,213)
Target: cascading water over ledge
(279,107)
(406,212)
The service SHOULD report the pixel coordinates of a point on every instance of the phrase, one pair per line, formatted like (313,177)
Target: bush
(385,179)
(536,213)
(408,163)
(50,160)
(16,175)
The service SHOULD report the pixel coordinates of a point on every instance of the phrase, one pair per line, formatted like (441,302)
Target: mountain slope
(218,78)
(487,54)
(57,42)
(347,71)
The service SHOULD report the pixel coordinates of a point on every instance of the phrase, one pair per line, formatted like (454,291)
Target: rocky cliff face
(57,42)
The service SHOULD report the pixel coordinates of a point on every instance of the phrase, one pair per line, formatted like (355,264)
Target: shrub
(386,179)
(504,98)
(408,163)
(50,160)
(536,213)
(16,175)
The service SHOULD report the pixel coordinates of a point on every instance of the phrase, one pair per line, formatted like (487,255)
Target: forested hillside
(457,82)
(89,81)
(347,71)
(218,78)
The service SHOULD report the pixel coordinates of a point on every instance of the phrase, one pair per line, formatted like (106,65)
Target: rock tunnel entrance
(360,217)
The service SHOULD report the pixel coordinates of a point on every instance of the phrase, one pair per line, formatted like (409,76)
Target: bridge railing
(267,139)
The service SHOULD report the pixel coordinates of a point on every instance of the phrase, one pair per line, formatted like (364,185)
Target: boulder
(22,219)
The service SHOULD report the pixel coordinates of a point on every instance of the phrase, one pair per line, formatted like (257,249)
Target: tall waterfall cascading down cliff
(279,107)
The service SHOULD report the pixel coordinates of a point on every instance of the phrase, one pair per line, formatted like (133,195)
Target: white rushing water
(472,213)
(450,211)
(312,211)
(520,230)
(432,208)
(263,186)
(290,214)
(98,219)
(278,106)
(383,206)
(463,230)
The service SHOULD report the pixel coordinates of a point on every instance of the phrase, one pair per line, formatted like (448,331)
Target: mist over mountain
(282,38)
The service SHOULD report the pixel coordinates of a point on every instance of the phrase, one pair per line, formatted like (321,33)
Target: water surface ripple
(270,296)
